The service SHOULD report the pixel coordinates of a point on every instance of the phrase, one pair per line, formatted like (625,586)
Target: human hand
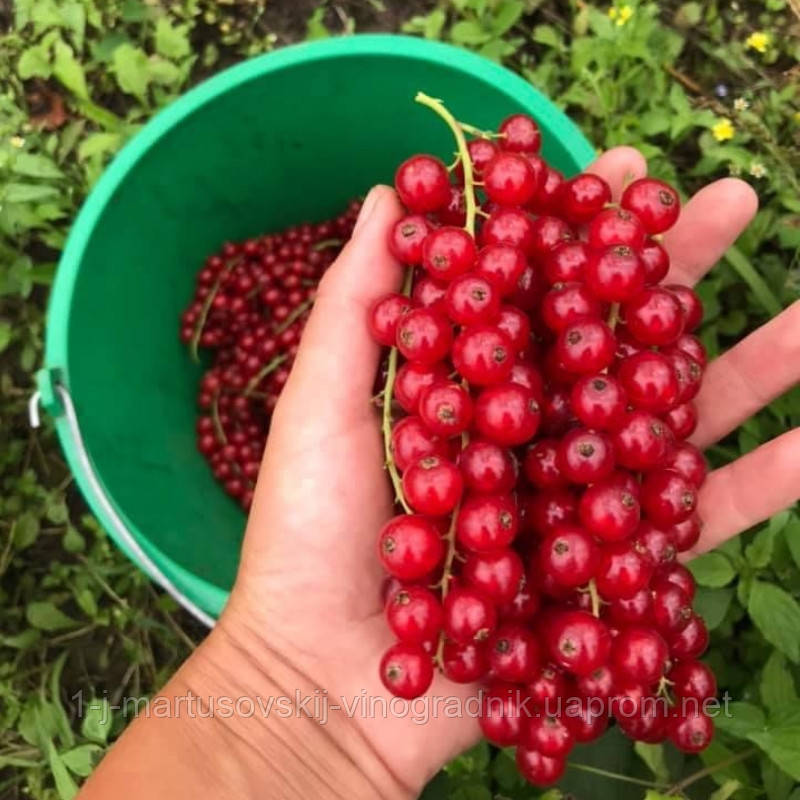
(309,589)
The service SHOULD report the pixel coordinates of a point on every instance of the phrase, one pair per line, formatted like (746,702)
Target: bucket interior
(279,147)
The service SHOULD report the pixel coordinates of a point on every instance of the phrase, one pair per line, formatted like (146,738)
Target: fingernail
(369,205)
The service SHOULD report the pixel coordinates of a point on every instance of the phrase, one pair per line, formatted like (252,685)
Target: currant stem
(263,372)
(297,312)
(595,598)
(325,243)
(613,316)
(473,131)
(615,775)
(219,431)
(386,423)
(194,343)
(466,162)
(678,788)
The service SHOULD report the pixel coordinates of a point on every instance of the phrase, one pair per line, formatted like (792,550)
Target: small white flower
(17,141)
(758,170)
(740,104)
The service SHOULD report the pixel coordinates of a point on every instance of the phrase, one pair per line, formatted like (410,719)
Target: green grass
(81,76)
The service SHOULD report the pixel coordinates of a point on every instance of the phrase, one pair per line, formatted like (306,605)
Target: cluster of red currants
(546,380)
(250,305)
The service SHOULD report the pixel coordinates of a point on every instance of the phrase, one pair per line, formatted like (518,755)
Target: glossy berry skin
(525,374)
(413,440)
(509,180)
(599,683)
(539,769)
(585,345)
(448,252)
(468,616)
(675,574)
(407,237)
(414,614)
(599,401)
(654,202)
(547,196)
(691,732)
(412,378)
(655,544)
(693,348)
(609,511)
(481,152)
(687,533)
(688,372)
(649,381)
(424,336)
(566,262)
(693,679)
(488,468)
(672,609)
(523,605)
(642,442)
(422,184)
(516,325)
(528,291)
(547,509)
(616,226)
(433,486)
(513,653)
(541,465)
(455,212)
(549,735)
(621,571)
(502,714)
(569,556)
(667,497)
(634,610)
(503,265)
(655,260)
(583,197)
(547,688)
(548,233)
(507,414)
(614,274)
(483,355)
(429,293)
(406,670)
(446,408)
(487,522)
(464,663)
(410,547)
(654,316)
(577,641)
(682,420)
(583,720)
(497,574)
(585,456)
(639,654)
(385,316)
(510,226)
(691,641)
(472,300)
(520,134)
(567,303)
(691,305)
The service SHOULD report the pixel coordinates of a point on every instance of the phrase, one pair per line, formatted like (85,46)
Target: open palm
(309,584)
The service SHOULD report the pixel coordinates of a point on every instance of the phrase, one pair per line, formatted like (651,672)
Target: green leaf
(98,144)
(791,534)
(506,16)
(716,754)
(36,166)
(741,719)
(781,742)
(315,25)
(777,684)
(758,286)
(48,617)
(652,794)
(35,62)
(728,789)
(777,615)
(65,734)
(65,786)
(759,551)
(653,756)
(712,605)
(68,70)
(469,33)
(73,541)
(5,334)
(27,192)
(81,760)
(712,569)
(429,25)
(96,724)
(171,41)
(131,68)
(777,783)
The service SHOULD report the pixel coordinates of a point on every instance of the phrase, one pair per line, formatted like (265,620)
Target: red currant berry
(649,381)
(548,233)
(537,768)
(509,180)
(549,735)
(546,200)
(448,252)
(667,497)
(520,133)
(487,522)
(654,202)
(507,414)
(406,670)
(488,468)
(566,262)
(654,316)
(483,355)
(656,261)
(548,688)
(497,574)
(585,456)
(446,408)
(688,372)
(585,721)
(464,663)
(693,679)
(676,574)
(503,714)
(385,316)
(687,533)
(513,654)
(528,291)
(428,293)
(407,237)
(642,442)
(412,378)
(569,556)
(547,509)
(509,226)
(682,420)
(691,641)
(691,732)
(414,614)
(413,440)
(655,544)
(423,184)
(599,401)
(621,571)
(639,654)
(599,683)
(577,641)
(692,347)
(672,609)
(585,345)
(525,374)
(455,212)
(410,547)
(468,616)
(433,486)
(691,305)
(481,152)
(472,300)
(567,303)
(583,197)
(609,511)
(516,325)
(541,466)
(503,265)
(632,610)
(616,226)
(424,336)
(614,274)
(522,607)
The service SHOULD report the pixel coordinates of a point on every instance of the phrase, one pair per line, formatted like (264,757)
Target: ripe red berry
(507,414)
(464,663)
(488,468)
(609,510)
(414,614)
(509,226)
(433,486)
(516,325)
(423,184)
(583,197)
(687,533)
(446,408)
(413,440)
(503,713)
(410,547)
(674,574)
(691,732)
(577,641)
(548,688)
(523,605)
(682,420)
(667,497)
(502,264)
(655,544)
(569,556)
(621,571)
(599,401)
(548,233)
(615,274)
(585,345)
(407,237)
(672,609)
(509,180)
(483,355)
(406,670)
(487,522)
(693,679)
(455,212)
(642,442)
(497,574)
(688,372)
(639,654)
(691,305)
(412,378)
(541,465)
(546,198)
(566,262)
(520,133)
(424,336)
(656,261)
(539,769)
(691,641)
(654,202)
(693,348)
(513,653)
(385,316)
(567,303)
(448,252)
(549,735)
(468,616)
(546,509)
(599,683)
(585,456)
(429,293)
(585,721)
(616,226)
(654,316)
(472,300)
(481,152)
(649,381)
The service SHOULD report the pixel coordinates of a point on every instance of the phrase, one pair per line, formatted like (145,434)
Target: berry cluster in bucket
(251,302)
(536,409)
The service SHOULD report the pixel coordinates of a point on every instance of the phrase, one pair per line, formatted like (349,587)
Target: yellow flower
(758,40)
(796,116)
(722,130)
(740,104)
(758,170)
(17,141)
(621,15)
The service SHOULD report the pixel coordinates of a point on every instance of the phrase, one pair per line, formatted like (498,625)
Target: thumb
(337,358)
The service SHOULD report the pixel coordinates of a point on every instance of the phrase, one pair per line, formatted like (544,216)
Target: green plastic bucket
(286,137)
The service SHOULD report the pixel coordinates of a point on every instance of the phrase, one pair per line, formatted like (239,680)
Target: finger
(746,380)
(336,351)
(707,226)
(618,167)
(749,490)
